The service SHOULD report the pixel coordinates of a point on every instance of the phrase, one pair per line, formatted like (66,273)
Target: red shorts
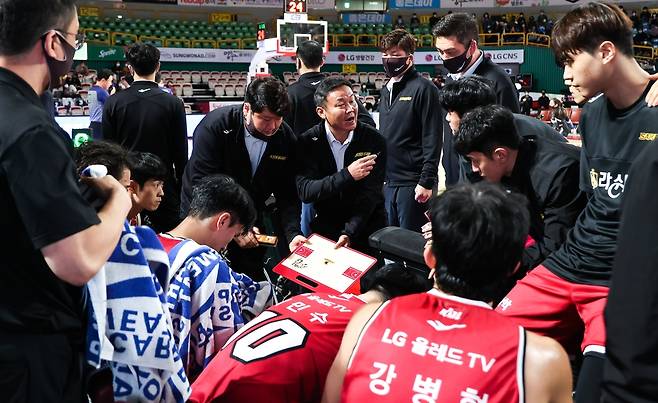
(551,306)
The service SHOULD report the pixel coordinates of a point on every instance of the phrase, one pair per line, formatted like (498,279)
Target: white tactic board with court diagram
(318,266)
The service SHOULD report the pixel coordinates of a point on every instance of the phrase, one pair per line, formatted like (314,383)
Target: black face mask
(251,128)
(457,64)
(394,66)
(59,68)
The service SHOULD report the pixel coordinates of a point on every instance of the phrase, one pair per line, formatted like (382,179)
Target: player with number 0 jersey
(284,354)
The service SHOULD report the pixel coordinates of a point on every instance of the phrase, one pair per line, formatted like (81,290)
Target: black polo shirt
(39,204)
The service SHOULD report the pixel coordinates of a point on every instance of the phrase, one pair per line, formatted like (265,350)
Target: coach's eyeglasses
(79,38)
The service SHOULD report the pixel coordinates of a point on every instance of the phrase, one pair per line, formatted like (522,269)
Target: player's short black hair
(310,53)
(460,25)
(478,236)
(326,86)
(486,128)
(144,58)
(467,93)
(100,152)
(146,166)
(104,74)
(23,22)
(217,193)
(400,38)
(394,280)
(267,92)
(585,27)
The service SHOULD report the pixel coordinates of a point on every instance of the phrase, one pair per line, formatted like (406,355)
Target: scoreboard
(295,6)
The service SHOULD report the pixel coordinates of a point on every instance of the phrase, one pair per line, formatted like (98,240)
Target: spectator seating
(500,30)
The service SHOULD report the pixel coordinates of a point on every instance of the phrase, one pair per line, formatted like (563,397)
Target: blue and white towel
(131,327)
(208,302)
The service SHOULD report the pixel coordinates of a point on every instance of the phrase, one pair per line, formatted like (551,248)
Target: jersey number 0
(274,337)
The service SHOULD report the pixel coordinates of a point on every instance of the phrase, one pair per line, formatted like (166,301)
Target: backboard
(291,33)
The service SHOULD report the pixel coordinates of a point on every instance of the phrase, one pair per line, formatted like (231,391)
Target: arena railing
(199,43)
(153,40)
(366,40)
(93,36)
(541,40)
(490,39)
(644,52)
(513,38)
(117,38)
(230,43)
(345,40)
(177,43)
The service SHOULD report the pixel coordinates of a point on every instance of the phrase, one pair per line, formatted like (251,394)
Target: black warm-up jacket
(411,125)
(219,148)
(343,205)
(546,173)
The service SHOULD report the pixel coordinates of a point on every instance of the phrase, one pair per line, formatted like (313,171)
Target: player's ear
(500,154)
(133,186)
(223,220)
(608,51)
(320,111)
(133,190)
(428,255)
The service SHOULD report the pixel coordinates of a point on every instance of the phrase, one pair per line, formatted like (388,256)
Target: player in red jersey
(448,345)
(284,354)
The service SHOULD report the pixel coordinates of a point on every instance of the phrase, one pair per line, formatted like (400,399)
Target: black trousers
(402,209)
(40,368)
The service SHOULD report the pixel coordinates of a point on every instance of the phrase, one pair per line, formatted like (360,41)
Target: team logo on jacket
(405,98)
(362,154)
(612,184)
(278,157)
(647,136)
(442,327)
(451,313)
(504,304)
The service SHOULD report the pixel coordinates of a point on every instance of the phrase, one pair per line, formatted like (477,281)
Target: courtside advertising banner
(509,56)
(466,3)
(366,18)
(206,55)
(151,1)
(403,4)
(448,4)
(233,3)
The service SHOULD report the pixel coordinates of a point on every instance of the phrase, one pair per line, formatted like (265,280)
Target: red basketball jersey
(283,355)
(168,242)
(436,348)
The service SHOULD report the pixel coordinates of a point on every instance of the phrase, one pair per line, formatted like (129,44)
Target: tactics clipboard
(316,265)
